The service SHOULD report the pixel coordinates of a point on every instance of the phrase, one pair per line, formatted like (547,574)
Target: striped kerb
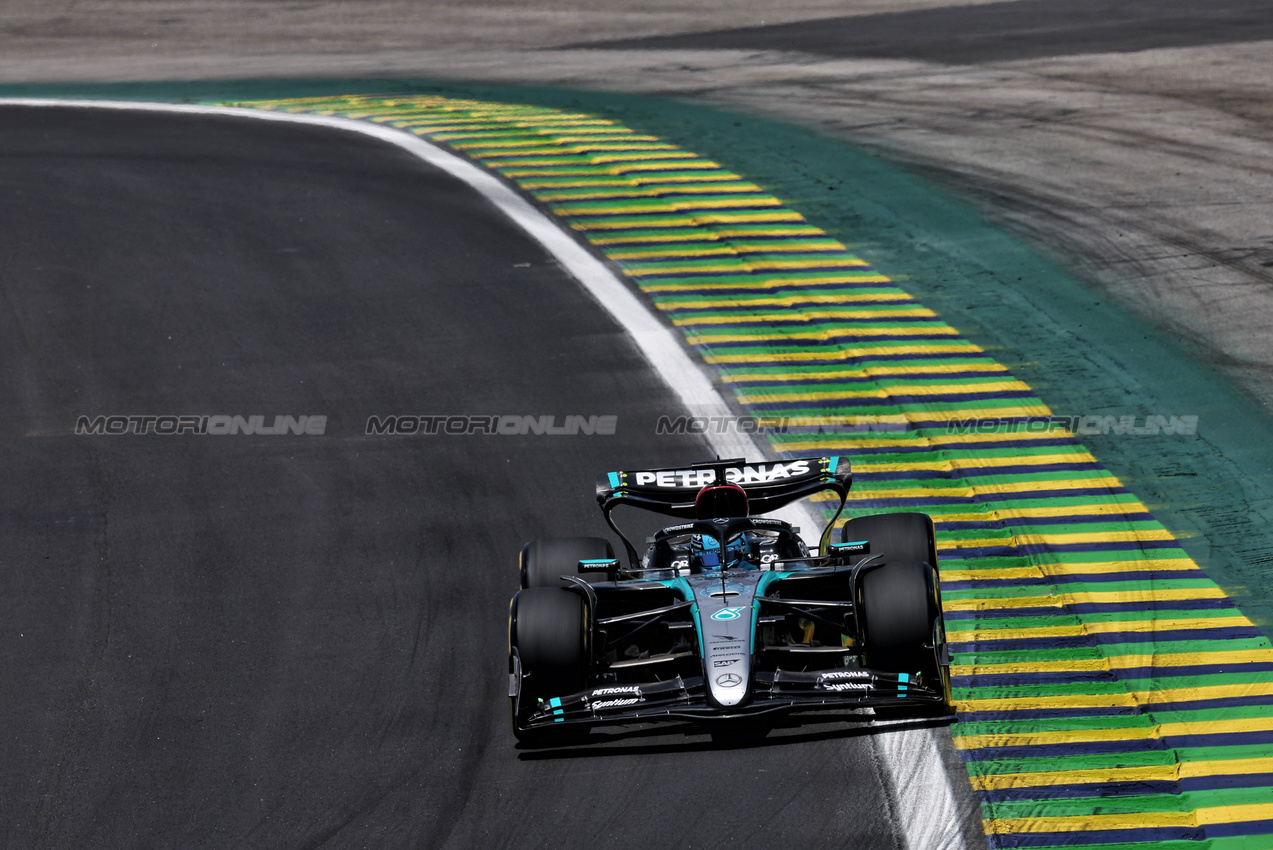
(1109,693)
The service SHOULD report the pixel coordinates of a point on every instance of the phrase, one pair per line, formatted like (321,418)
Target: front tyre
(900,609)
(897,537)
(544,562)
(547,632)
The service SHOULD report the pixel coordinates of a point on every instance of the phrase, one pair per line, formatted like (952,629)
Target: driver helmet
(721,501)
(706,550)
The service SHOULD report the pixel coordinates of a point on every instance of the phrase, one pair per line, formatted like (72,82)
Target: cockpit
(726,499)
(723,537)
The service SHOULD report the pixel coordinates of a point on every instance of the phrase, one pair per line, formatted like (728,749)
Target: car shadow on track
(651,739)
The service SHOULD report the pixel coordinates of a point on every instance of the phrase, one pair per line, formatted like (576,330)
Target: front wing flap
(777,691)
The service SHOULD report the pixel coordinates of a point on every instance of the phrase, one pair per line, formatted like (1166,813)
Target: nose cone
(729,689)
(727,647)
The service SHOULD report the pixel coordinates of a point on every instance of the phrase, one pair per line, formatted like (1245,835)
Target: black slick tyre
(895,537)
(544,562)
(548,633)
(900,610)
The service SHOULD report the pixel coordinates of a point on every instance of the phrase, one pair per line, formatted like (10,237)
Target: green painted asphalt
(1079,353)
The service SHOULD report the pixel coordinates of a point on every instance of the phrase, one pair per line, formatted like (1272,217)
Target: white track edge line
(928,809)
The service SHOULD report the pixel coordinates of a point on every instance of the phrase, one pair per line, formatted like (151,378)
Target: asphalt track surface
(298,641)
(996,32)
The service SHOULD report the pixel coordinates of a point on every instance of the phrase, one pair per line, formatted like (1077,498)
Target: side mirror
(856,547)
(598,565)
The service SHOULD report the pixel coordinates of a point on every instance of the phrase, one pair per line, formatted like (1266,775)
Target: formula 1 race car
(727,614)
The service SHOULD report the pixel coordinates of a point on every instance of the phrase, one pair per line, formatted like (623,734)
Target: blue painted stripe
(705,275)
(698,235)
(1069,749)
(1022,714)
(1150,837)
(1138,788)
(1073,576)
(811,380)
(870,451)
(1030,522)
(844,358)
(1095,639)
(787,286)
(583,216)
(979,472)
(1176,607)
(801,326)
(871,375)
(1119,674)
(986,498)
(746,346)
(931,399)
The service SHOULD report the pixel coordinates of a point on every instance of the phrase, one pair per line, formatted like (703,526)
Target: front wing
(685,698)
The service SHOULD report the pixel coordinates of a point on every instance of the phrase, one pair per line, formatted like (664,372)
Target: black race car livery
(726,614)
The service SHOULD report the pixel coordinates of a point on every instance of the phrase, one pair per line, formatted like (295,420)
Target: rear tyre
(897,537)
(901,618)
(544,562)
(548,631)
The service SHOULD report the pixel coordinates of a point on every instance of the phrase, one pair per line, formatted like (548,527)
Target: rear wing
(769,485)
